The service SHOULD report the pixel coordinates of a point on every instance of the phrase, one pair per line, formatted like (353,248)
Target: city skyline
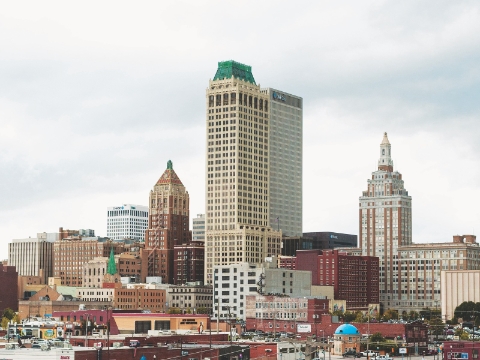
(83,108)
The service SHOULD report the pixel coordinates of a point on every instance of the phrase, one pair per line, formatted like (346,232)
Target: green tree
(348,316)
(174,310)
(390,314)
(5,322)
(413,315)
(436,326)
(377,337)
(359,317)
(203,310)
(8,313)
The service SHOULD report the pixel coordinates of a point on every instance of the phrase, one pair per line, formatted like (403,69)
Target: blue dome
(347,329)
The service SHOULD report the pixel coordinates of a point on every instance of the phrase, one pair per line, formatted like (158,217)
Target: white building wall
(32,257)
(198,229)
(466,285)
(127,222)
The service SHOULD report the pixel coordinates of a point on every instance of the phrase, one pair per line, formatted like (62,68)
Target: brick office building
(188,263)
(354,278)
(9,281)
(168,224)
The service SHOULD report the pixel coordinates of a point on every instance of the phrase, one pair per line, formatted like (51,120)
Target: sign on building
(304,328)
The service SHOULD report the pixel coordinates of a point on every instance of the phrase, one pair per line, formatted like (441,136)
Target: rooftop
(230,68)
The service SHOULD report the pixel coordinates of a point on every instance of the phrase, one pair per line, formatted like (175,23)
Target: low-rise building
(191,298)
(232,283)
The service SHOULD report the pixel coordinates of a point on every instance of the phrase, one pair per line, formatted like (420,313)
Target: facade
(291,244)
(421,267)
(130,265)
(140,297)
(70,255)
(355,278)
(188,263)
(198,230)
(232,283)
(237,214)
(95,294)
(127,221)
(94,271)
(285,313)
(32,256)
(168,224)
(465,283)
(331,240)
(346,338)
(385,222)
(9,280)
(191,298)
(285,282)
(286,161)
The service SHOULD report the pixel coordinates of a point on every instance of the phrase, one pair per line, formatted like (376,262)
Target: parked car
(369,353)
(383,357)
(431,352)
(351,353)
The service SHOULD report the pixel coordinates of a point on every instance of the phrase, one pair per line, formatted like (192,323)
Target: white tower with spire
(385,161)
(386,224)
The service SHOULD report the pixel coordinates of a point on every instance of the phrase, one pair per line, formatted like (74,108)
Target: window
(142,326)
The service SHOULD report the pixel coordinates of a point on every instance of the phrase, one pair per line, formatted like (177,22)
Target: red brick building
(9,281)
(355,278)
(285,314)
(168,224)
(188,263)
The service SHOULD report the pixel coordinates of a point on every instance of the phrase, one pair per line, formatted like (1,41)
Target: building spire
(385,162)
(112,268)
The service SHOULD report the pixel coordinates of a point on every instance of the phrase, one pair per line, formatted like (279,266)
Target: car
(351,353)
(369,353)
(383,357)
(431,352)
(36,346)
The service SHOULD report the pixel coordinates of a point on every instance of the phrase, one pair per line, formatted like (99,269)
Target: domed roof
(347,329)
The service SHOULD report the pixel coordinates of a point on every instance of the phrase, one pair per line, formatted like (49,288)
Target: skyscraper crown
(227,69)
(169,176)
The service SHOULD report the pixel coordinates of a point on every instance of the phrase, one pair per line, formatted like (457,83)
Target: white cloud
(96,97)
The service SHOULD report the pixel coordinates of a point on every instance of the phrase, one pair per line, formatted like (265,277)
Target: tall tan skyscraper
(168,225)
(385,222)
(237,170)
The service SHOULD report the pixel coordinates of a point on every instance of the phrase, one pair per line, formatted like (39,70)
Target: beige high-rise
(237,171)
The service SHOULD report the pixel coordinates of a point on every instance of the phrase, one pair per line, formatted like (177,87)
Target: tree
(359,317)
(413,315)
(348,316)
(436,326)
(390,314)
(377,337)
(203,310)
(5,322)
(174,310)
(8,313)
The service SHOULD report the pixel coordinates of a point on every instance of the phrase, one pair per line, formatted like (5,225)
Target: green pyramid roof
(227,69)
(112,268)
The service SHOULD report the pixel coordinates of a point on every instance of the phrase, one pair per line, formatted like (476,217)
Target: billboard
(304,328)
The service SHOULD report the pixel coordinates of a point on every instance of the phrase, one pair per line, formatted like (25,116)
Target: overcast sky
(96,97)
